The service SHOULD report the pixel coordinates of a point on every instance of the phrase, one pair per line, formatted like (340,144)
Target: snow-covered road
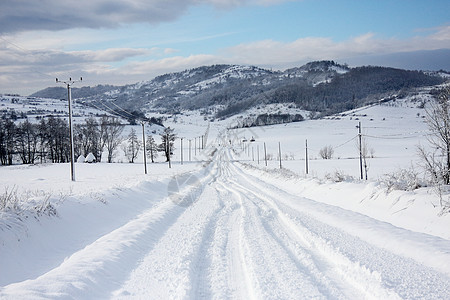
(225,233)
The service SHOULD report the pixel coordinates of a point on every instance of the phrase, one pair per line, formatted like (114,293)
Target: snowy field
(225,226)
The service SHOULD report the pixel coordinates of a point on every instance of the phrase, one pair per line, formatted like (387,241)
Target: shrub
(338,176)
(326,152)
(403,179)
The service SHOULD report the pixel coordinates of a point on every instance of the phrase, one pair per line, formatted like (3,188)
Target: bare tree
(132,147)
(43,140)
(326,152)
(167,142)
(437,162)
(7,140)
(92,134)
(152,148)
(27,142)
(57,138)
(111,130)
(87,138)
(438,120)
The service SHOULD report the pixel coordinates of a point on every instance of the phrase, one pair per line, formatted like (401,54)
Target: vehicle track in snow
(296,263)
(231,235)
(247,239)
(377,272)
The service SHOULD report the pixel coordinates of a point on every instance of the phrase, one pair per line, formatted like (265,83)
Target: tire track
(332,273)
(373,271)
(230,273)
(272,273)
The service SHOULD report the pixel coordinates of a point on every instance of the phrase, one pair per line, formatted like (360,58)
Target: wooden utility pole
(306,156)
(143,142)
(181,150)
(190,150)
(257,148)
(360,151)
(279,151)
(168,150)
(265,153)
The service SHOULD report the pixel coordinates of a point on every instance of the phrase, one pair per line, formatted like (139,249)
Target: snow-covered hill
(33,109)
(221,91)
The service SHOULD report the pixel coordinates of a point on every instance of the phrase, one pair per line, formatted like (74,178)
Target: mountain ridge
(224,90)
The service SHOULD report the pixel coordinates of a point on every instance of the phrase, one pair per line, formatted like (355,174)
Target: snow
(223,225)
(37,108)
(90,158)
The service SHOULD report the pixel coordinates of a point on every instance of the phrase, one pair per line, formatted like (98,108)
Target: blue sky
(125,41)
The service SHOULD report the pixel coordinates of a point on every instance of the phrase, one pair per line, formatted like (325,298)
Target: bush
(338,176)
(35,203)
(403,179)
(9,201)
(326,152)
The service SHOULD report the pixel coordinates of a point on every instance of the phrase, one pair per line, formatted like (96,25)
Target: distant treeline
(269,119)
(49,141)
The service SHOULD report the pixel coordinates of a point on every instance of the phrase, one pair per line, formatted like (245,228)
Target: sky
(126,41)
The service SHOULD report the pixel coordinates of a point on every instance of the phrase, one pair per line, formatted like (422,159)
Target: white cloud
(275,53)
(109,55)
(16,16)
(36,68)
(166,65)
(170,51)
(442,34)
(30,15)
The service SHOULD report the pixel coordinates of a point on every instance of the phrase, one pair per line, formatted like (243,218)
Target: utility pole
(360,150)
(181,150)
(257,148)
(306,156)
(143,143)
(265,153)
(195,147)
(168,150)
(190,149)
(279,150)
(69,83)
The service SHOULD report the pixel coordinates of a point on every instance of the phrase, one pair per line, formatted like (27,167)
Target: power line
(394,137)
(132,115)
(113,111)
(346,142)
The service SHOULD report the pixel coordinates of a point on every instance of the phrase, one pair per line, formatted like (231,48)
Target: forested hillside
(221,91)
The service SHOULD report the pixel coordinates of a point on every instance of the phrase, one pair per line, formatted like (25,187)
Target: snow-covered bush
(9,201)
(36,204)
(338,176)
(90,158)
(403,179)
